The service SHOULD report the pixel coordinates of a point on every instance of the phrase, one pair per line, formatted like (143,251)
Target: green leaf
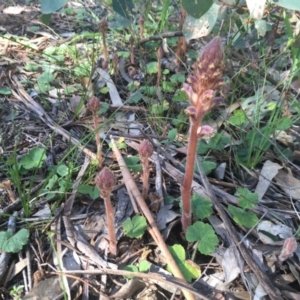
(62,170)
(207,166)
(144,266)
(159,108)
(177,78)
(133,164)
(181,96)
(201,207)
(5,91)
(13,243)
(123,8)
(189,271)
(238,118)
(52,6)
(288,4)
(197,8)
(204,235)
(135,227)
(152,67)
(284,123)
(217,142)
(194,28)
(92,191)
(247,199)
(33,159)
(243,217)
(131,268)
(172,134)
(104,108)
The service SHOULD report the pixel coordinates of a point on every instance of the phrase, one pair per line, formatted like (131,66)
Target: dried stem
(131,41)
(103,28)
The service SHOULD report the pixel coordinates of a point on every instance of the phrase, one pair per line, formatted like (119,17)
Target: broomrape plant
(201,87)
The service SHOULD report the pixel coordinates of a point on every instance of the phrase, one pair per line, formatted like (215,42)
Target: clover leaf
(135,227)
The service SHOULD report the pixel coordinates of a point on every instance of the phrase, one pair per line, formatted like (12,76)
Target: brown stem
(189,174)
(110,226)
(145,178)
(105,53)
(97,138)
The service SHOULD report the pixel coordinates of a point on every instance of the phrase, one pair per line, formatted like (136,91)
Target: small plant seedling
(13,243)
(16,291)
(135,227)
(241,215)
(204,235)
(188,268)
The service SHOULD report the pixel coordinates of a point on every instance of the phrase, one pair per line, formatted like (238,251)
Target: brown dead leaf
(289,184)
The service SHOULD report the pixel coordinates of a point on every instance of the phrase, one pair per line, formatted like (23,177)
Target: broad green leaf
(180,96)
(159,108)
(92,191)
(123,8)
(201,207)
(132,163)
(188,270)
(135,227)
(238,118)
(217,142)
(168,86)
(5,91)
(13,243)
(131,268)
(33,159)
(52,6)
(62,170)
(204,235)
(172,134)
(177,78)
(197,8)
(152,67)
(195,28)
(177,252)
(104,108)
(144,266)
(288,4)
(247,199)
(207,166)
(243,217)
(284,123)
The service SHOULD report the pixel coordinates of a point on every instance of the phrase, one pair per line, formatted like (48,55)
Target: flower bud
(205,131)
(105,181)
(145,149)
(160,53)
(103,25)
(141,21)
(94,104)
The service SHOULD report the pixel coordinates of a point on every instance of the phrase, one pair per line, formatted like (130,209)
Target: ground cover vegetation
(149,149)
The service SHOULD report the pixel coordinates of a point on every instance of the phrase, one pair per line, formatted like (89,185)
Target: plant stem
(97,138)
(110,225)
(188,177)
(145,178)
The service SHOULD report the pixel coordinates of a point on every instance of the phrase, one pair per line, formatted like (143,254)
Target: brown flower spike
(201,86)
(105,181)
(145,151)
